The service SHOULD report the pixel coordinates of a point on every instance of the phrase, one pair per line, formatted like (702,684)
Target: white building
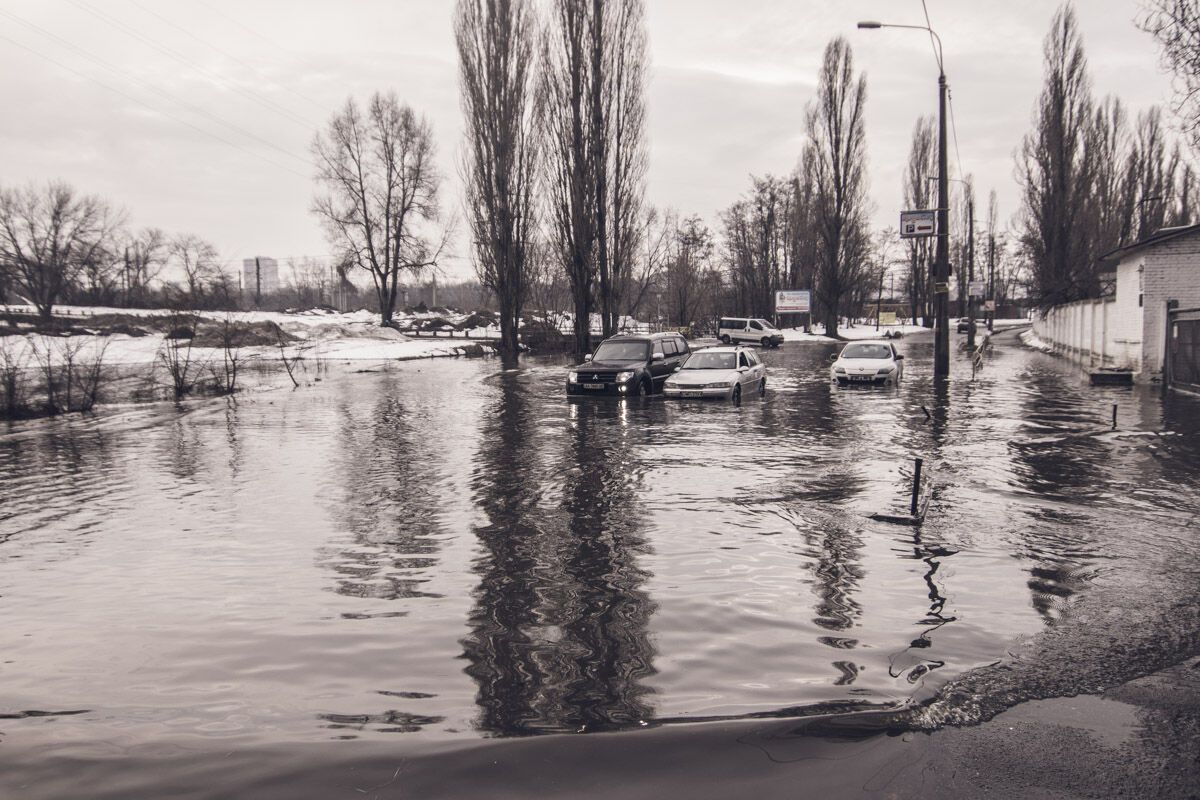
(1131,327)
(260,276)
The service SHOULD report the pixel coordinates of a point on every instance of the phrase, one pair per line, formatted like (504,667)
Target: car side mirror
(743,369)
(899,357)
(657,357)
(677,369)
(587,357)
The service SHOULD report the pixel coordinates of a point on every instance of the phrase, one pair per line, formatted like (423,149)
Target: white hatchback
(728,372)
(869,363)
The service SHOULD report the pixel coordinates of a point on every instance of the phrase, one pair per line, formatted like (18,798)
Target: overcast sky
(197,116)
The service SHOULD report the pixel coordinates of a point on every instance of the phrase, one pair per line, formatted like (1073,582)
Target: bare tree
(620,152)
(569,159)
(657,238)
(497,50)
(918,194)
(198,261)
(378,192)
(1057,177)
(837,139)
(757,240)
(592,88)
(1176,26)
(143,256)
(686,270)
(48,236)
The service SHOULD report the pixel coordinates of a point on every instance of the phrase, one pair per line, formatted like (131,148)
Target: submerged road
(444,578)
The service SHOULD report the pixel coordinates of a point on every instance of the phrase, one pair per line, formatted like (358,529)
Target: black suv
(629,365)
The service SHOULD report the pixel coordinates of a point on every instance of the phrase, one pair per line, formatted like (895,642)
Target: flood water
(449,550)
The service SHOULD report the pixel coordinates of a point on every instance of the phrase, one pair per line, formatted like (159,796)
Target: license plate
(862,377)
(691,394)
(593,386)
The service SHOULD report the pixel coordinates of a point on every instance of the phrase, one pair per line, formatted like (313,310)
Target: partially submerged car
(726,372)
(871,363)
(628,365)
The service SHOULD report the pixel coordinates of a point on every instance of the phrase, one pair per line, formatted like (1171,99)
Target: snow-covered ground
(859,331)
(352,336)
(1030,339)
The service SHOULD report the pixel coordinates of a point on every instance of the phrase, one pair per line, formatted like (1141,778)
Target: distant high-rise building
(260,276)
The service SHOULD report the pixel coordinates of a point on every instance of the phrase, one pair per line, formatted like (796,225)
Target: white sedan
(869,363)
(727,372)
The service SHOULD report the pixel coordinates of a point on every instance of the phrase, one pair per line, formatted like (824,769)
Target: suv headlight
(623,376)
(572,377)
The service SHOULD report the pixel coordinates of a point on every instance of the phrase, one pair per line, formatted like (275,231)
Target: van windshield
(711,361)
(622,351)
(765,324)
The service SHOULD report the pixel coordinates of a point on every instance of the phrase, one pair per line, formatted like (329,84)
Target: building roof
(1158,237)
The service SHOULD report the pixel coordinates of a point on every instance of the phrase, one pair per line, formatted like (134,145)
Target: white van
(732,330)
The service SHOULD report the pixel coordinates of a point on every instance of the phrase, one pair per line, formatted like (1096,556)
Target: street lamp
(941,279)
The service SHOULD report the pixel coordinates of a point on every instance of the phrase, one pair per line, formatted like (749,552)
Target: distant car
(870,363)
(628,365)
(964,325)
(732,330)
(727,372)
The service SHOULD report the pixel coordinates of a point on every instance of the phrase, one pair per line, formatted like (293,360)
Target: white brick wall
(1172,272)
(1123,332)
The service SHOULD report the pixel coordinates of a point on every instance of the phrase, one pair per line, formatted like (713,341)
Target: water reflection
(390,506)
(559,636)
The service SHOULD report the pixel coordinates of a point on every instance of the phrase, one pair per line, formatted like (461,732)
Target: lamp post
(941,279)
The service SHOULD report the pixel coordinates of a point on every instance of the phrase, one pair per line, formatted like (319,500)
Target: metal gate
(1183,349)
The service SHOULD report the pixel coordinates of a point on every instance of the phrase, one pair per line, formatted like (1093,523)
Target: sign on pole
(918,223)
(793,302)
(887,317)
(989,305)
(977,288)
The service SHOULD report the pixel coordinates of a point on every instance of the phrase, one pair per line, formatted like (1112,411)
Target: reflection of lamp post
(941,285)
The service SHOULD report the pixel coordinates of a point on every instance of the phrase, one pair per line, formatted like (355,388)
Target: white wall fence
(1087,332)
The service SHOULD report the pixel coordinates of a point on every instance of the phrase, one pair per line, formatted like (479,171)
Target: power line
(954,131)
(144,85)
(141,102)
(227,54)
(248,93)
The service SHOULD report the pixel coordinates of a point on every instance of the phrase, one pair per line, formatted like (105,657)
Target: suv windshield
(867,351)
(621,351)
(711,361)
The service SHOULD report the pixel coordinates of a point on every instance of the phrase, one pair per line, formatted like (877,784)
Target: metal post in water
(916,489)
(1114,416)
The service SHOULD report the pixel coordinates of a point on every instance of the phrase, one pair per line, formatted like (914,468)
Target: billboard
(918,223)
(793,302)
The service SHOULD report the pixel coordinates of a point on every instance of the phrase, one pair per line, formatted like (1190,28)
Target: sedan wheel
(762,388)
(737,393)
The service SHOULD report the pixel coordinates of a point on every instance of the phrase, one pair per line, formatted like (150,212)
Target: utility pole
(257,283)
(127,276)
(941,285)
(970,272)
(992,279)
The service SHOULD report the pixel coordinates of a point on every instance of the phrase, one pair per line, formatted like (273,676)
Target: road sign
(887,317)
(793,302)
(918,223)
(977,288)
(941,288)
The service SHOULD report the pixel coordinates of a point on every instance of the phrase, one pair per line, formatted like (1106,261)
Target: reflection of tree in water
(837,574)
(389,504)
(559,631)
(1067,474)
